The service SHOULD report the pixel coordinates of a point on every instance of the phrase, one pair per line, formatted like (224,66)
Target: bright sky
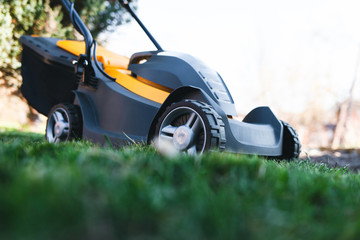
(287,54)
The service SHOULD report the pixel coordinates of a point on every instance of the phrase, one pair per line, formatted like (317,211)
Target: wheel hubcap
(182,138)
(57,128)
(184,129)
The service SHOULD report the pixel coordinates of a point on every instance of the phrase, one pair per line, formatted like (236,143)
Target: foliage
(79,190)
(45,18)
(99,15)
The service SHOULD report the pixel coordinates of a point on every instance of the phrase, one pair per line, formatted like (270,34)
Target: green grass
(82,191)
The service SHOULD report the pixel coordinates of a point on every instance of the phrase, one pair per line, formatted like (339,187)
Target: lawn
(78,190)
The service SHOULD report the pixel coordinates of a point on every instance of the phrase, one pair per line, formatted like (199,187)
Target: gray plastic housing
(112,112)
(124,117)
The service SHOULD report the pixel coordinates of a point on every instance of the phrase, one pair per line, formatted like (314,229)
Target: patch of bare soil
(349,158)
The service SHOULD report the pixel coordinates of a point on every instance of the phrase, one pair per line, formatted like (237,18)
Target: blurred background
(301,58)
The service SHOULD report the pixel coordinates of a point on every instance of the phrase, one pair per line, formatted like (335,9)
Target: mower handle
(80,27)
(126,5)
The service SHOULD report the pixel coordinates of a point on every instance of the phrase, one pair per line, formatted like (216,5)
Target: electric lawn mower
(89,92)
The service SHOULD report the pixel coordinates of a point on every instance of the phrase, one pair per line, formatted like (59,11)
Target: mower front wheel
(192,127)
(63,123)
(291,143)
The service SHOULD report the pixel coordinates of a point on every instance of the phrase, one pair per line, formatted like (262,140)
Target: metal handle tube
(126,5)
(80,27)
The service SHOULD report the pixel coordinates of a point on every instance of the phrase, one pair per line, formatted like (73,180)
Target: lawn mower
(89,92)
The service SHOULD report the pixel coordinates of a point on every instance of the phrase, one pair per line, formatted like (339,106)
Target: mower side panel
(259,133)
(113,112)
(174,70)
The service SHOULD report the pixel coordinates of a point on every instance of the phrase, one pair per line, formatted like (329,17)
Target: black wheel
(191,126)
(291,143)
(63,123)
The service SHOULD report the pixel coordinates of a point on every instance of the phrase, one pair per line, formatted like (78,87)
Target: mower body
(125,100)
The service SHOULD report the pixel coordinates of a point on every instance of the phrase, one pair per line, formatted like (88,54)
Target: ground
(14,113)
(349,158)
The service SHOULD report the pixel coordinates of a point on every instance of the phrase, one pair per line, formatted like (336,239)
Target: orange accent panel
(155,85)
(138,87)
(106,57)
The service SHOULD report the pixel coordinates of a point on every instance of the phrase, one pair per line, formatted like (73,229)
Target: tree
(45,18)
(99,15)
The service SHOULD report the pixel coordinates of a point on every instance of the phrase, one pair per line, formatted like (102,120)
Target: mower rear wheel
(192,127)
(63,123)
(291,143)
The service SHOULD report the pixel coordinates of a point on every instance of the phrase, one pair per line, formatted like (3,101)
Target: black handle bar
(80,27)
(126,5)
